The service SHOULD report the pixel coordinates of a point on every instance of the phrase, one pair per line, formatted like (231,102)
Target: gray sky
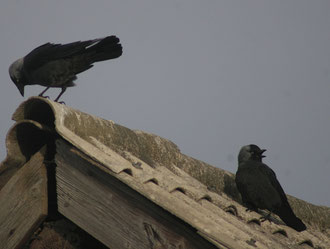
(209,75)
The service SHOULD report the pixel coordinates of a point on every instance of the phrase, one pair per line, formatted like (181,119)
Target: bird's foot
(266,217)
(46,97)
(60,102)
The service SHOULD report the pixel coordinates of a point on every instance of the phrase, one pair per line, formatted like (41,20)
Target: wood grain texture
(114,213)
(23,203)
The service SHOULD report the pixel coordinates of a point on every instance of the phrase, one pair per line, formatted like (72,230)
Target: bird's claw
(42,96)
(265,217)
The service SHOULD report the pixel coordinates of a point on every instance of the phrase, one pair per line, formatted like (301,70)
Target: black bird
(56,65)
(260,188)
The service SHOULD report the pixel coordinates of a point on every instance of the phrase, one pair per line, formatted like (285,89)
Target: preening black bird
(56,65)
(260,188)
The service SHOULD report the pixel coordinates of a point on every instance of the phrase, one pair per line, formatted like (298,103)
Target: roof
(200,195)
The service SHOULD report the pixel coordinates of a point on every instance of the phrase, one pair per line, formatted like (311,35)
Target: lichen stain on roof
(197,193)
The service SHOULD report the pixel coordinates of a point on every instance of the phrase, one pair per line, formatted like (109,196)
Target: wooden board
(23,203)
(112,212)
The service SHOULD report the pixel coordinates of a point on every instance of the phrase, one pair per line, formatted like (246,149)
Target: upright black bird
(56,65)
(260,188)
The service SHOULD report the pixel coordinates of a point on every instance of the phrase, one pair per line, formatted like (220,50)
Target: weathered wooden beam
(23,203)
(112,212)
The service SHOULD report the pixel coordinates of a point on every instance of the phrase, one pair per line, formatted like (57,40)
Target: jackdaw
(260,188)
(56,65)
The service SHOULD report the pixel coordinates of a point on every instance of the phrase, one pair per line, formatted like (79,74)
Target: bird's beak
(261,153)
(21,89)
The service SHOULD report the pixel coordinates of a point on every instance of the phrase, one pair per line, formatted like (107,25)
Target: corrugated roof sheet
(154,174)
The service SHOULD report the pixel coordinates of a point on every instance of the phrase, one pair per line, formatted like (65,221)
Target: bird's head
(250,152)
(16,75)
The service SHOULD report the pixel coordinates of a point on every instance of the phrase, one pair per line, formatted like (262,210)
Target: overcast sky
(211,76)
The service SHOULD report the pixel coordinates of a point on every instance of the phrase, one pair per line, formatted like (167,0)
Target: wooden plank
(114,213)
(23,203)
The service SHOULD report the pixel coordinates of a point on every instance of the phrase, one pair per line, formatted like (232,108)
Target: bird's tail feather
(289,218)
(106,49)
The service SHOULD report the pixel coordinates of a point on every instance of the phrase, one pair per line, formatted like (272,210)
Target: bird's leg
(42,93)
(58,97)
(266,217)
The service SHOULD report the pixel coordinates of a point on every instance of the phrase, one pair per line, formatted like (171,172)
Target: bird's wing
(49,52)
(246,183)
(273,180)
(284,210)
